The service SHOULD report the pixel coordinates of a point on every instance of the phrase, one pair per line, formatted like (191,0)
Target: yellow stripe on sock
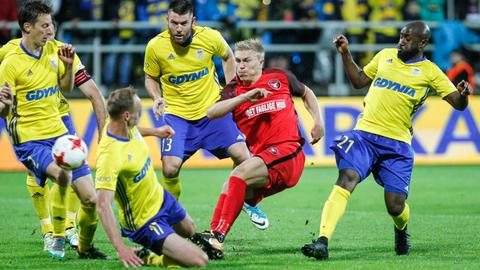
(402,220)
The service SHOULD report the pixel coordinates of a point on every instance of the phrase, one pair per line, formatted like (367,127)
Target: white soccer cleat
(72,237)
(47,241)
(57,249)
(257,216)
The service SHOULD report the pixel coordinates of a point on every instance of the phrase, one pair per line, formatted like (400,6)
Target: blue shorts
(37,155)
(215,135)
(390,161)
(154,232)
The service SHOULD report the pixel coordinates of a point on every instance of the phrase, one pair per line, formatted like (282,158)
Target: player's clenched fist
(66,53)
(159,106)
(341,43)
(256,94)
(464,88)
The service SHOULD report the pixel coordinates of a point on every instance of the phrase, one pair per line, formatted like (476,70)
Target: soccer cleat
(47,241)
(57,249)
(257,216)
(72,237)
(92,253)
(211,243)
(317,249)
(402,241)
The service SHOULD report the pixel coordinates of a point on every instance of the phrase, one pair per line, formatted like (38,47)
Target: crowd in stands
(312,68)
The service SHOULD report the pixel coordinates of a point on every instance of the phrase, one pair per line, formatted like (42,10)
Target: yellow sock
(172,185)
(59,198)
(39,196)
(402,219)
(161,261)
(87,224)
(73,205)
(333,210)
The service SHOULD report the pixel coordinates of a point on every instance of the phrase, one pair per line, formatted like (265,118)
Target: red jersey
(270,120)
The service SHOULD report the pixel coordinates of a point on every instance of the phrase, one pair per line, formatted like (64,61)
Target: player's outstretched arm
(459,99)
(228,64)
(354,73)
(91,91)
(67,54)
(104,209)
(311,104)
(161,132)
(6,100)
(223,107)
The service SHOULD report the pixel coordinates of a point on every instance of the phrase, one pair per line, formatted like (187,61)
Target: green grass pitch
(444,225)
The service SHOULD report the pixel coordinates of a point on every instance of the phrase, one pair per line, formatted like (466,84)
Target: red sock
(233,204)
(217,211)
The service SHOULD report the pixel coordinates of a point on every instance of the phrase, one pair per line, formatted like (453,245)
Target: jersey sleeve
(229,91)
(107,170)
(7,74)
(440,83)
(371,68)
(151,65)
(297,88)
(220,46)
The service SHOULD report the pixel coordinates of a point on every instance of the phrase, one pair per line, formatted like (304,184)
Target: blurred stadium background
(110,37)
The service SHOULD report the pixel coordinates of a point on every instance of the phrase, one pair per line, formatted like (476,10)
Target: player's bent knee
(170,170)
(395,209)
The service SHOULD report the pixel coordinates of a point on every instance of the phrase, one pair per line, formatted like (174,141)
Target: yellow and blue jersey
(397,92)
(35,85)
(124,166)
(63,105)
(187,74)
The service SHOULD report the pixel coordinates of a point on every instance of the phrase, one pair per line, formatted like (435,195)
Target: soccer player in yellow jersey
(180,59)
(149,215)
(35,71)
(39,194)
(400,80)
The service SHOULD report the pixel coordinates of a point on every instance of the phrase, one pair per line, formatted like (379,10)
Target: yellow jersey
(124,166)
(63,105)
(35,85)
(397,92)
(187,74)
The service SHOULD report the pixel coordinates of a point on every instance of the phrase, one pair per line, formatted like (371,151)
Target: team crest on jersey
(200,54)
(273,150)
(416,71)
(275,84)
(54,62)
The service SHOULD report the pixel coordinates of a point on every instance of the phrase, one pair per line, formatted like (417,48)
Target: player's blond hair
(251,44)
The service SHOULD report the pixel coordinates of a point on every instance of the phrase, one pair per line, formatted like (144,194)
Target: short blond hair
(252,44)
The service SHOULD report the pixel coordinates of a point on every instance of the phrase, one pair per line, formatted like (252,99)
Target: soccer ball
(69,152)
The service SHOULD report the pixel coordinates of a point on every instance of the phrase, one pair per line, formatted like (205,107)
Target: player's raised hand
(256,94)
(341,44)
(6,95)
(66,53)
(464,88)
(128,257)
(165,131)
(158,107)
(317,133)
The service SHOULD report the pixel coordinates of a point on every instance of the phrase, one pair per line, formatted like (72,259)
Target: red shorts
(285,163)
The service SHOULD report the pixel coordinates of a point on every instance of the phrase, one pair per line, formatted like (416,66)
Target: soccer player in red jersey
(262,106)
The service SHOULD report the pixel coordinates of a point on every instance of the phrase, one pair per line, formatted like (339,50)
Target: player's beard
(405,55)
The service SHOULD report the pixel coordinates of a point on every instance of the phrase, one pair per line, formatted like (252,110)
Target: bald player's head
(413,38)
